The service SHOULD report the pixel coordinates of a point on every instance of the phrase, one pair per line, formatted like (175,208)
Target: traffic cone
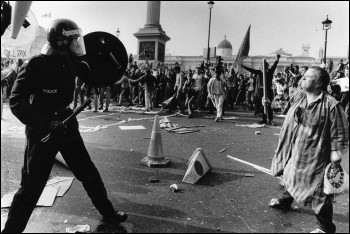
(155,156)
(198,166)
(18,15)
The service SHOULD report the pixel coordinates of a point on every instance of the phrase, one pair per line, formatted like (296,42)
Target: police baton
(74,114)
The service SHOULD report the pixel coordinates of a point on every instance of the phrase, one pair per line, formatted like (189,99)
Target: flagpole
(265,85)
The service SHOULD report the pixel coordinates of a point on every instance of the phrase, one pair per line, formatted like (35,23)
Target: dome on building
(225,44)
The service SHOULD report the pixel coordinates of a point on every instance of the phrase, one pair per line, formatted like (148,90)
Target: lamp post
(211,4)
(326,25)
(117,32)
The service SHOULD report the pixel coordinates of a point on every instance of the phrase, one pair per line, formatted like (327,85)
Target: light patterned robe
(309,134)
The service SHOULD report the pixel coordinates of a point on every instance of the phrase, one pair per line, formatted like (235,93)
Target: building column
(153,14)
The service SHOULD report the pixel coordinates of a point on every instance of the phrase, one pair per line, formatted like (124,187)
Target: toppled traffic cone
(155,156)
(198,166)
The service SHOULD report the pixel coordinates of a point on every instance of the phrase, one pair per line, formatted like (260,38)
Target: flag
(243,50)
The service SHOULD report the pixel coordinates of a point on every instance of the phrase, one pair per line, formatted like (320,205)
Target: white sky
(274,25)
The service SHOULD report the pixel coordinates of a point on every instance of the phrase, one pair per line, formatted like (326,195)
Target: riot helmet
(64,35)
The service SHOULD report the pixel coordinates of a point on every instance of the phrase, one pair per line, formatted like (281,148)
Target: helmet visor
(77,46)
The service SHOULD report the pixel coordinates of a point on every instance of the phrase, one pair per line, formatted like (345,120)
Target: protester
(231,89)
(104,93)
(125,94)
(150,86)
(269,78)
(217,88)
(198,86)
(281,95)
(314,133)
(250,91)
(42,110)
(78,93)
(178,100)
(189,89)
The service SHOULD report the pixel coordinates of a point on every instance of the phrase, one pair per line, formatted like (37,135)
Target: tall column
(153,14)
(152,38)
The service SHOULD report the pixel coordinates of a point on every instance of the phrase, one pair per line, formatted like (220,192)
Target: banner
(20,47)
(243,50)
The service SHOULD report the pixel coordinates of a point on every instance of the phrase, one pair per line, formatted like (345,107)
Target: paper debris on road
(55,187)
(174,188)
(255,125)
(139,127)
(62,186)
(47,198)
(229,118)
(78,228)
(223,150)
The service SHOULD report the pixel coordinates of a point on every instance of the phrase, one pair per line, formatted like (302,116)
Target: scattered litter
(189,219)
(151,112)
(168,125)
(255,125)
(65,221)
(249,175)
(139,127)
(223,150)
(132,150)
(218,229)
(165,123)
(187,131)
(153,180)
(62,184)
(257,133)
(277,134)
(99,127)
(182,130)
(79,228)
(229,118)
(281,116)
(174,188)
(195,126)
(47,198)
(55,187)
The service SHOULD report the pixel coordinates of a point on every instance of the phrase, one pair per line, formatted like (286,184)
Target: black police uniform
(42,93)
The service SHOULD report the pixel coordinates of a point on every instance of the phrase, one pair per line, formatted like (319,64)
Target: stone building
(224,49)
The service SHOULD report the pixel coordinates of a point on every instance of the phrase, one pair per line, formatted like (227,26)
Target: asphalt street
(224,200)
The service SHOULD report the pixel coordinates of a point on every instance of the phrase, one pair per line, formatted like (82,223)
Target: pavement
(224,200)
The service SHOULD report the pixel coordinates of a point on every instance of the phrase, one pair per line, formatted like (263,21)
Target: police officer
(40,99)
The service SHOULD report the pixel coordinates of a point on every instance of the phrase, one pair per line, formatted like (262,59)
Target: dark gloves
(58,129)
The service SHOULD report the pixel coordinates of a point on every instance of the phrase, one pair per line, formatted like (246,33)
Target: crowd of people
(190,91)
(43,90)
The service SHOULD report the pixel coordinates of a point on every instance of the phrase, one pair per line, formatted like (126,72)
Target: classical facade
(224,49)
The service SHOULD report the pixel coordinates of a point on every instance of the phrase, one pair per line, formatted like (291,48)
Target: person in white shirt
(217,88)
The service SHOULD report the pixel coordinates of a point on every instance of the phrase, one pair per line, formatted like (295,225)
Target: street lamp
(117,32)
(326,25)
(211,4)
